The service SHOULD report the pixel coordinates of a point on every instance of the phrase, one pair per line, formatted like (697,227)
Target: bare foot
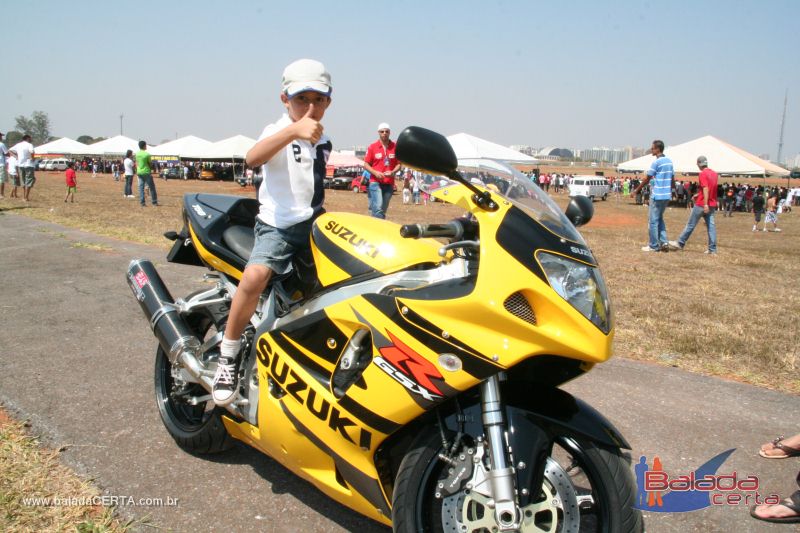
(772,512)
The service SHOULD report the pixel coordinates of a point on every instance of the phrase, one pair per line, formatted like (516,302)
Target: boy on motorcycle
(293,153)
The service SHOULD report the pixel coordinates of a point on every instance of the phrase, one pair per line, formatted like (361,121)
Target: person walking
(705,205)
(127,167)
(661,173)
(730,199)
(3,170)
(382,164)
(772,211)
(145,174)
(758,208)
(72,183)
(24,151)
(13,173)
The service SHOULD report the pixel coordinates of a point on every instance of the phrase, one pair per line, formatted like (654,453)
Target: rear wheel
(196,428)
(586,487)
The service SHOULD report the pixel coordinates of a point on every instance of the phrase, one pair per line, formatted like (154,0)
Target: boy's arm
(306,129)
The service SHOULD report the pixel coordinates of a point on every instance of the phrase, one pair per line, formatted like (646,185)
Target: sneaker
(224,386)
(765,230)
(755,229)
(664,247)
(710,252)
(648,249)
(777,229)
(675,245)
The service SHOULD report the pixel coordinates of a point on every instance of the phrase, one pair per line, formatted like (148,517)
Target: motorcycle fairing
(347,245)
(209,217)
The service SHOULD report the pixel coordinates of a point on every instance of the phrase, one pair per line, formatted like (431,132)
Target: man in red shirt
(72,182)
(705,205)
(382,165)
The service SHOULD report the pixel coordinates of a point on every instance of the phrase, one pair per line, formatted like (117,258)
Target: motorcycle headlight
(581,285)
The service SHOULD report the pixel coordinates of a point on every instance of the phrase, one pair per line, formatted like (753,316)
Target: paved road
(76,357)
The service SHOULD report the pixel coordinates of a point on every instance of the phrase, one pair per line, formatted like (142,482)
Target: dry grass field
(31,475)
(734,315)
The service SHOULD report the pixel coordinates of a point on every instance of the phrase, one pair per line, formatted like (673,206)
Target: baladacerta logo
(659,491)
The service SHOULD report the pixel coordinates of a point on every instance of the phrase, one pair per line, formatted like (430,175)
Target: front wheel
(355,189)
(586,487)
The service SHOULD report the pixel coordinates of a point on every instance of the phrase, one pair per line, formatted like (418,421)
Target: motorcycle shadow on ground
(282,481)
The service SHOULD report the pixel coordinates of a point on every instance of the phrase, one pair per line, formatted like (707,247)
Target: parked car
(795,174)
(207,174)
(358,185)
(342,177)
(589,186)
(173,173)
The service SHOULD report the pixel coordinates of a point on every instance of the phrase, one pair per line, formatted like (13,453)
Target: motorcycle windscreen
(346,245)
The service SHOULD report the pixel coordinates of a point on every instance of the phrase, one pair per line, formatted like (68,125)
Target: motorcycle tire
(197,429)
(612,492)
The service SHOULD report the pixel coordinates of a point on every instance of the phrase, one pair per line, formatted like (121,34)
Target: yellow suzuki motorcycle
(409,372)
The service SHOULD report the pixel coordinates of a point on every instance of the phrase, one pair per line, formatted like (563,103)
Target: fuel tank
(347,245)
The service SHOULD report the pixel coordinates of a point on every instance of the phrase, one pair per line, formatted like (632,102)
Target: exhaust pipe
(173,333)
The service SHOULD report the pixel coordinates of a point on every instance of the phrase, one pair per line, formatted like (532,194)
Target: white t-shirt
(128,164)
(292,188)
(24,151)
(12,165)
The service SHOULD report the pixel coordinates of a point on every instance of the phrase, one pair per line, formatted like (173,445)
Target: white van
(56,164)
(591,186)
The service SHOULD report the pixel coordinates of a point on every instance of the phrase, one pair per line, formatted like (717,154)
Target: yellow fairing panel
(211,259)
(346,245)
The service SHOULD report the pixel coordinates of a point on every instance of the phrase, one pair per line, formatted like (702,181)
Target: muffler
(173,333)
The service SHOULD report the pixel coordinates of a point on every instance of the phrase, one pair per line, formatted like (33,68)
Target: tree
(37,126)
(13,137)
(85,139)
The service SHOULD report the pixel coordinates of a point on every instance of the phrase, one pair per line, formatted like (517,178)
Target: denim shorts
(275,247)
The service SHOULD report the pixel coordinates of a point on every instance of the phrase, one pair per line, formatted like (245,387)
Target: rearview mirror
(426,150)
(580,210)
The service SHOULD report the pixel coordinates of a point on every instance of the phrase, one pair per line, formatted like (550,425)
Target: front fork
(501,474)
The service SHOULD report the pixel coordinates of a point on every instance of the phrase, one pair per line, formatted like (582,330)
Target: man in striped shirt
(661,174)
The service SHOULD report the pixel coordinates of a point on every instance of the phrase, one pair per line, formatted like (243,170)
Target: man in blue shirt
(661,174)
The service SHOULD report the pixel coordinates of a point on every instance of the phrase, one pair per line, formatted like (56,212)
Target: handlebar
(453,230)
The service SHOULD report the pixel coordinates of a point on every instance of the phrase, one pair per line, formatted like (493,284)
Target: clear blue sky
(572,74)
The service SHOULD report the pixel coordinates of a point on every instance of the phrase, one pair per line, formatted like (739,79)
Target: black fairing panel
(521,236)
(210,215)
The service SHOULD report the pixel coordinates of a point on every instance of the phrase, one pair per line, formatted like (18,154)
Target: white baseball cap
(306,75)
(383,126)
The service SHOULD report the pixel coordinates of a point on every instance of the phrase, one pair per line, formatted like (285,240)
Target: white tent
(338,159)
(188,147)
(470,147)
(722,157)
(235,147)
(114,146)
(62,146)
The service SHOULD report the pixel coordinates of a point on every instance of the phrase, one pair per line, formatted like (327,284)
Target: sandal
(792,503)
(776,444)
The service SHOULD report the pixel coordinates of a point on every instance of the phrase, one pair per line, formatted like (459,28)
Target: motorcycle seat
(240,240)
